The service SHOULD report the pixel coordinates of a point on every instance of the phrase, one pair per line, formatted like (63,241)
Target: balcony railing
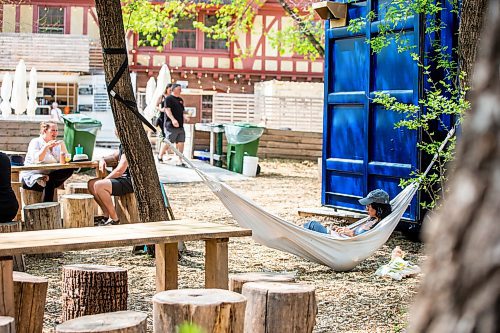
(45,52)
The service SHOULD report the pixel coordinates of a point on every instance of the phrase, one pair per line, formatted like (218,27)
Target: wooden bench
(164,234)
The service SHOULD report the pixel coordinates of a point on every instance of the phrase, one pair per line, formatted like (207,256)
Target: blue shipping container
(362,150)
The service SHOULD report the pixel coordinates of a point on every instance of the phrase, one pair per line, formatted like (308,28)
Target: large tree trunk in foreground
(461,292)
(472,14)
(130,130)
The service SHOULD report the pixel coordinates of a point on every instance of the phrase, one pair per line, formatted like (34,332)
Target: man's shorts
(121,186)
(175,134)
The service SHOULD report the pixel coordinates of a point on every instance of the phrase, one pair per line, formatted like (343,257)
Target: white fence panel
(230,108)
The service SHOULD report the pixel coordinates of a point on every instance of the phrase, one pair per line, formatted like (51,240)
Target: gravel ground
(355,301)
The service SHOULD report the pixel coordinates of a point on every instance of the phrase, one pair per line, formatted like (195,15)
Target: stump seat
(236,281)
(5,227)
(78,210)
(30,293)
(126,208)
(214,310)
(7,324)
(93,289)
(269,303)
(113,322)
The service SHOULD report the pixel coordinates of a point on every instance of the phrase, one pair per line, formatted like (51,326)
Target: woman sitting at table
(45,149)
(8,201)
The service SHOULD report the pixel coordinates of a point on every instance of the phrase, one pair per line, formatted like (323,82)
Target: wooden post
(7,325)
(6,287)
(166,266)
(42,216)
(236,281)
(18,258)
(30,293)
(113,322)
(216,271)
(93,289)
(81,188)
(279,307)
(126,208)
(214,310)
(78,210)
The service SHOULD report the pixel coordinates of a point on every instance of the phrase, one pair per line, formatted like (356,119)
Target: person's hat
(378,196)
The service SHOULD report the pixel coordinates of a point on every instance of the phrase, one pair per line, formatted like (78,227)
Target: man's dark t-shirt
(176,105)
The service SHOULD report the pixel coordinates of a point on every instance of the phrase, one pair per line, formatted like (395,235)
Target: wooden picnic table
(164,234)
(16,182)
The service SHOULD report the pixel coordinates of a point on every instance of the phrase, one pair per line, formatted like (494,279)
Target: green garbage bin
(242,139)
(80,130)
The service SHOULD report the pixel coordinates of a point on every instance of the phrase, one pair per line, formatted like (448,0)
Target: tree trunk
(114,322)
(279,307)
(30,293)
(93,289)
(461,290)
(472,14)
(214,310)
(130,130)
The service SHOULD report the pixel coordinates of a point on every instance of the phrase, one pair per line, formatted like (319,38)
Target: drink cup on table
(67,157)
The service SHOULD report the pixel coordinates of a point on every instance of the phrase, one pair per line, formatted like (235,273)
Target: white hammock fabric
(339,253)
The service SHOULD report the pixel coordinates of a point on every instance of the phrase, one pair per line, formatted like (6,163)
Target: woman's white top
(35,147)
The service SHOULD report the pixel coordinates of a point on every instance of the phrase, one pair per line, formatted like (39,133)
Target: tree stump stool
(42,216)
(114,322)
(82,188)
(214,310)
(78,210)
(126,208)
(30,293)
(236,281)
(18,259)
(279,307)
(93,289)
(7,325)
(31,197)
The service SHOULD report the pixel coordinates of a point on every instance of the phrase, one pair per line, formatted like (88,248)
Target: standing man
(174,120)
(160,122)
(56,113)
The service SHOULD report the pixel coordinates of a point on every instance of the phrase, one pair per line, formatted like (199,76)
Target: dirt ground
(355,301)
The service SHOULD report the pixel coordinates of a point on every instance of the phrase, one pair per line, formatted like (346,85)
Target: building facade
(61,40)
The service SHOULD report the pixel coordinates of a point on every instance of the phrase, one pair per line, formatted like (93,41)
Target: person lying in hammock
(378,206)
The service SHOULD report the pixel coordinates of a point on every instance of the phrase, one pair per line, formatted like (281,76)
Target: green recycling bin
(242,140)
(80,131)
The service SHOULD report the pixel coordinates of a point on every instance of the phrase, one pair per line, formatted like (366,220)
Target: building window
(207,102)
(62,93)
(186,35)
(51,20)
(210,43)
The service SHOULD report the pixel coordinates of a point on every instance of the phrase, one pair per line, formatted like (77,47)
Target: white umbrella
(5,94)
(150,90)
(32,104)
(19,99)
(161,83)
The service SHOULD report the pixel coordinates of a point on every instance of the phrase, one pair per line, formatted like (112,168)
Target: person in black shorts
(175,117)
(117,183)
(8,201)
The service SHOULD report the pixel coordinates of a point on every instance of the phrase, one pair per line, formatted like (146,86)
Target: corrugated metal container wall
(362,150)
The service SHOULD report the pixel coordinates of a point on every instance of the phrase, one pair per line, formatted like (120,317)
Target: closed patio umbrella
(161,83)
(19,99)
(32,103)
(5,94)
(150,89)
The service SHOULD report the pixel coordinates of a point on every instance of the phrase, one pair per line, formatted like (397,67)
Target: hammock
(339,253)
